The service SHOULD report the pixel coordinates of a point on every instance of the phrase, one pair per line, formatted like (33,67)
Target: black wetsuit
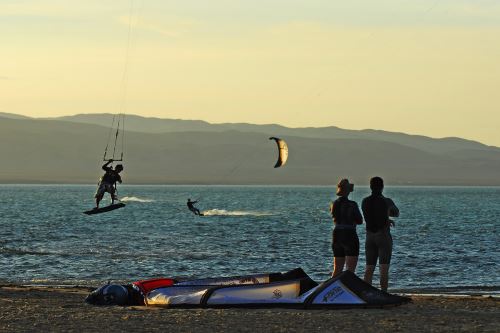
(346,216)
(192,208)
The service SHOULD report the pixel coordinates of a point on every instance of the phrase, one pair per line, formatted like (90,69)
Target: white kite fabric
(346,290)
(282,151)
(293,289)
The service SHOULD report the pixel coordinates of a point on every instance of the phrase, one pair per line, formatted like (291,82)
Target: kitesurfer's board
(104,209)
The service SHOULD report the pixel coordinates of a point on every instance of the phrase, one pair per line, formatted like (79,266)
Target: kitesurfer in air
(192,208)
(108,182)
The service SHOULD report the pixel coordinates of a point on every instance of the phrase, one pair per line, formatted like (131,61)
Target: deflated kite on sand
(294,289)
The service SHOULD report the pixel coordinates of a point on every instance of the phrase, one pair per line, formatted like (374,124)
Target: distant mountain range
(171,151)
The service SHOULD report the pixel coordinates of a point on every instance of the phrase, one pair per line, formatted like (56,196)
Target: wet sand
(30,309)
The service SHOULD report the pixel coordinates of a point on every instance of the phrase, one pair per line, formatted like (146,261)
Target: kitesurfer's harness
(345,227)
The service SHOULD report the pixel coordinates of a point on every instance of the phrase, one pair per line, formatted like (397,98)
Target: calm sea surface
(446,237)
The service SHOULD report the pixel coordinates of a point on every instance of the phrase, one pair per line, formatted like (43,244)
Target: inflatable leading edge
(293,289)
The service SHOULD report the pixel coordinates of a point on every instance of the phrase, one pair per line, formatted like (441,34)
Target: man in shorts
(108,182)
(378,245)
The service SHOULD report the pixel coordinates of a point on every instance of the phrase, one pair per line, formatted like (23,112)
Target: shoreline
(462,291)
(26,308)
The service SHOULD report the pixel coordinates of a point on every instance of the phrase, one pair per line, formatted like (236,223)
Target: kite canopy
(293,289)
(282,151)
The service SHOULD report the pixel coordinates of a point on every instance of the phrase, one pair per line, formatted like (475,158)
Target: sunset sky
(426,67)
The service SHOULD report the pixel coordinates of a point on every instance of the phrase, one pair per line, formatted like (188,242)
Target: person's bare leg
(338,265)
(369,269)
(351,263)
(97,201)
(114,197)
(384,276)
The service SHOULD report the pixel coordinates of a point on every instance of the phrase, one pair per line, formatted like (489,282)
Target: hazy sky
(418,66)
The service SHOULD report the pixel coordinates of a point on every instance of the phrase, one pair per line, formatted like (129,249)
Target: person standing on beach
(378,245)
(345,241)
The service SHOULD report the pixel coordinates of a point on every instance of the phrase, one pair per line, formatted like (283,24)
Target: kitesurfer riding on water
(108,182)
(192,208)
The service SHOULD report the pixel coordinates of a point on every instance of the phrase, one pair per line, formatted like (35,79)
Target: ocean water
(447,238)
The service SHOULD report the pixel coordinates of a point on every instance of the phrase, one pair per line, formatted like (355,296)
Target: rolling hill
(69,150)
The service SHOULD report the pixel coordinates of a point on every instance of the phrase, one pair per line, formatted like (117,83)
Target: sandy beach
(54,309)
